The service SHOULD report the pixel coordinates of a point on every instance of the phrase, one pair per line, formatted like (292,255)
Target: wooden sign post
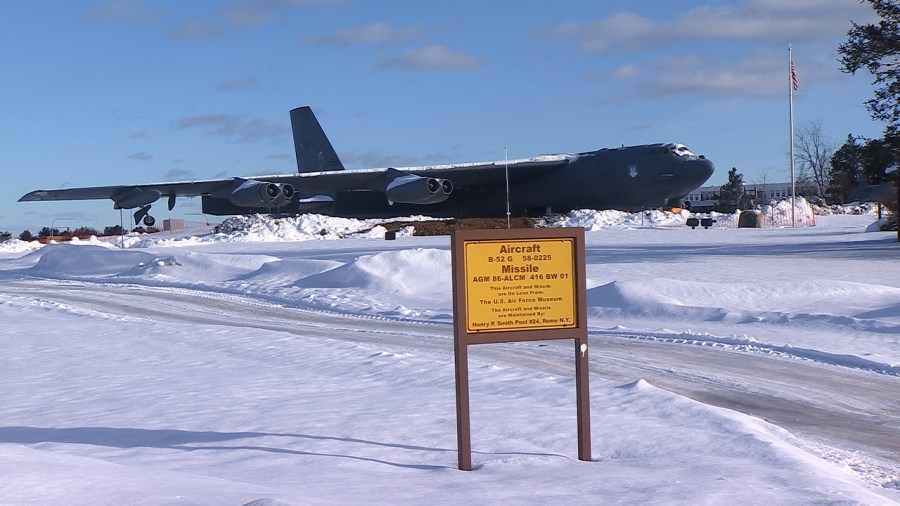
(519,285)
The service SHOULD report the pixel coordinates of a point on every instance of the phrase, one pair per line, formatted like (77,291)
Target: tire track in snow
(838,412)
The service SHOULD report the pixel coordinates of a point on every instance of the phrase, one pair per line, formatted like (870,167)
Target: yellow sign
(520,284)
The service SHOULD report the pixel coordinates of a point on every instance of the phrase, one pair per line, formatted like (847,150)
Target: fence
(771,216)
(178,228)
(770,219)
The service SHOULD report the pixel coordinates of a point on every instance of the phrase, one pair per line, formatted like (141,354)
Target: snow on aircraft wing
(461,175)
(466,175)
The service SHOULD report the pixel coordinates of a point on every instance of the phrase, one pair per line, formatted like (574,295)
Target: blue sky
(132,91)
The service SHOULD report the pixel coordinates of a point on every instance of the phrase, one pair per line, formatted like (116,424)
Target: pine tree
(846,168)
(876,48)
(730,193)
(878,157)
(85,232)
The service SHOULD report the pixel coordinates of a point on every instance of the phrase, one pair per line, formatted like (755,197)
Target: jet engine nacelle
(413,189)
(285,195)
(135,197)
(252,193)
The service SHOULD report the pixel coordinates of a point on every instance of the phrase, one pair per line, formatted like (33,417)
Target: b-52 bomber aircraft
(626,178)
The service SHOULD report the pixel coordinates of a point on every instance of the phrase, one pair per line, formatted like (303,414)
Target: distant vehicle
(626,178)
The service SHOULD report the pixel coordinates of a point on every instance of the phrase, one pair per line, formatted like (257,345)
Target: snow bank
(244,368)
(592,220)
(16,246)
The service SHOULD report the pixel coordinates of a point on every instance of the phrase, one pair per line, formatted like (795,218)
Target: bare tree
(763,180)
(813,149)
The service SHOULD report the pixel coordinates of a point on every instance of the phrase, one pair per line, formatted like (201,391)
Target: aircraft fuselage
(626,178)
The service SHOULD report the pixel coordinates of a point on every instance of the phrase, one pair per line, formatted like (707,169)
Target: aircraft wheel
(149,220)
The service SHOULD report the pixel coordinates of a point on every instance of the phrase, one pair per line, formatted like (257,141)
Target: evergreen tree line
(831,173)
(860,162)
(832,178)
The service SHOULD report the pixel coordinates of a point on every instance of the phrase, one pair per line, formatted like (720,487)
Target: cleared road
(838,412)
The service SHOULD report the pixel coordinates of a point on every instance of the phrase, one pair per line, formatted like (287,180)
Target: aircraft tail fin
(313,149)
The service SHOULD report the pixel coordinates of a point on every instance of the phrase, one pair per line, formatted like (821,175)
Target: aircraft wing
(320,177)
(314,183)
(181,189)
(461,175)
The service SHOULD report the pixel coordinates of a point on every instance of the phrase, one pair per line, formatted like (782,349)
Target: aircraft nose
(703,169)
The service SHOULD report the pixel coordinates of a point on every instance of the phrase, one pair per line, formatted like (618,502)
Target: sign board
(519,285)
(522,284)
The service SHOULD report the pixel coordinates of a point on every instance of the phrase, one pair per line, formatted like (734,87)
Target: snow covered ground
(310,361)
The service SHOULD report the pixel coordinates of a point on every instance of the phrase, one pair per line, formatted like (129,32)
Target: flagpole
(791,84)
(506,170)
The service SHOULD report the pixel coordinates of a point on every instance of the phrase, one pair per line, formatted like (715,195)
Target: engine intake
(250,193)
(285,194)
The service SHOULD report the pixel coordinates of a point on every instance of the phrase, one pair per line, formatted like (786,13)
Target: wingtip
(31,196)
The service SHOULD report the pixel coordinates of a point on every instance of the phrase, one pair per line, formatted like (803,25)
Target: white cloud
(215,124)
(178,175)
(433,58)
(763,21)
(369,159)
(233,127)
(736,49)
(239,85)
(622,73)
(713,82)
(762,74)
(199,29)
(247,14)
(619,32)
(140,156)
(380,33)
(627,71)
(131,11)
(609,101)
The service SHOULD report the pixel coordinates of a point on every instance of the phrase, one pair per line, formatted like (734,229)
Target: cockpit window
(684,151)
(680,150)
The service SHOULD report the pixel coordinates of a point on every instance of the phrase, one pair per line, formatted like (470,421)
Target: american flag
(793,77)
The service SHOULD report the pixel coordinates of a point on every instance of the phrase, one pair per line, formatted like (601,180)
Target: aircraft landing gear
(142,215)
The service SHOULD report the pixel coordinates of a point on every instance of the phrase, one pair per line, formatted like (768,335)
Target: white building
(706,198)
